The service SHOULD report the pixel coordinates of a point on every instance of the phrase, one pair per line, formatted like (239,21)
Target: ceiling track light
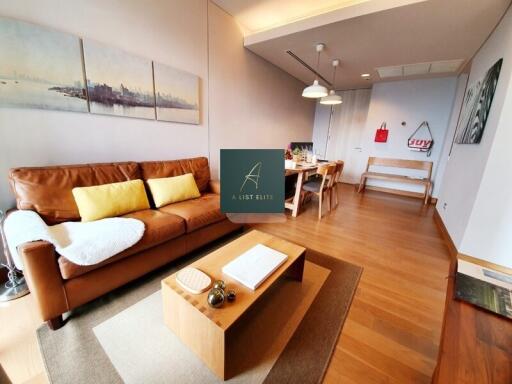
(332,98)
(316,90)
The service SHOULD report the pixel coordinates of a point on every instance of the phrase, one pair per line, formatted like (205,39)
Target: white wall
(253,104)
(172,32)
(476,199)
(347,133)
(412,101)
(321,129)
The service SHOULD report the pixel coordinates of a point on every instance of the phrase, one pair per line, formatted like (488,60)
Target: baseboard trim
(446,235)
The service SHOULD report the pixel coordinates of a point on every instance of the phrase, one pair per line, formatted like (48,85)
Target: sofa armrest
(215,186)
(43,277)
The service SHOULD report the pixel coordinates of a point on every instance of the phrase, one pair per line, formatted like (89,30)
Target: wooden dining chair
(322,185)
(337,179)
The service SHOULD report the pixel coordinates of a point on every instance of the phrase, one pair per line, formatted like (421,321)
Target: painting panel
(118,82)
(40,68)
(177,95)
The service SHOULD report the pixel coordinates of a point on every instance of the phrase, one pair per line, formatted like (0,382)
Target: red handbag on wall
(381,135)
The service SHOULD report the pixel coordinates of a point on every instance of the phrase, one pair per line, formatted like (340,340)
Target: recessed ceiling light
(365,75)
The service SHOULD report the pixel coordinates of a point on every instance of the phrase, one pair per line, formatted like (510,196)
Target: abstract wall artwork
(476,107)
(43,68)
(118,83)
(177,95)
(40,68)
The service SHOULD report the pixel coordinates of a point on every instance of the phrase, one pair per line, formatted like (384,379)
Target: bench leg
(362,184)
(427,194)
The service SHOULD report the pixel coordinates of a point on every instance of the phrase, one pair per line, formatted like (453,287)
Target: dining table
(303,170)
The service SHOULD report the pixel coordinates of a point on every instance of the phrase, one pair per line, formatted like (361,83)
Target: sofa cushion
(47,190)
(110,200)
(173,189)
(197,166)
(198,212)
(160,227)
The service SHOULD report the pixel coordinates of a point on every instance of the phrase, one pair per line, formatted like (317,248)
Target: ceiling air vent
(418,69)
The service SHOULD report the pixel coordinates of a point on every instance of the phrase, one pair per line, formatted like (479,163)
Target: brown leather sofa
(57,284)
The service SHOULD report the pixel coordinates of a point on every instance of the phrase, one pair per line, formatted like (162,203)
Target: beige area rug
(131,344)
(143,349)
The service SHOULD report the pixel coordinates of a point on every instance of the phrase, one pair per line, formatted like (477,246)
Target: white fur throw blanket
(82,243)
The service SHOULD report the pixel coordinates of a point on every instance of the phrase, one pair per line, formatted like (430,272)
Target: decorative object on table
(40,68)
(476,107)
(15,286)
(290,164)
(193,280)
(118,83)
(288,153)
(254,266)
(297,155)
(416,143)
(219,284)
(177,95)
(381,135)
(306,146)
(316,90)
(231,295)
(484,284)
(216,297)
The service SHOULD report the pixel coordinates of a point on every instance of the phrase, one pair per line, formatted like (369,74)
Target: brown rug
(73,353)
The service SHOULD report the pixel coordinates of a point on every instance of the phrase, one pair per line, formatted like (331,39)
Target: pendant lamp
(332,98)
(316,90)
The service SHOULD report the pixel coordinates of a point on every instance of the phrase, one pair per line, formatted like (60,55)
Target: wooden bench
(399,163)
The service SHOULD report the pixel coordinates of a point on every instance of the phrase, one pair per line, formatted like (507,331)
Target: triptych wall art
(45,69)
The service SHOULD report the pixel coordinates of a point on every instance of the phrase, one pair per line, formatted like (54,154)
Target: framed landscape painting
(118,83)
(177,95)
(476,107)
(40,68)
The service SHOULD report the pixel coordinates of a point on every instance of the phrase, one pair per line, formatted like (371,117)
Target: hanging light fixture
(316,90)
(332,98)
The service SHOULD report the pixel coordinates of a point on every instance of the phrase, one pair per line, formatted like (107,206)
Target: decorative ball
(216,298)
(231,295)
(219,284)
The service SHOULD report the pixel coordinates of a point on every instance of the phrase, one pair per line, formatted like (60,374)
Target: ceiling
(259,15)
(365,35)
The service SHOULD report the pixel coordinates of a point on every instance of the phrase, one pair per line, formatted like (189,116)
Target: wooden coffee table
(205,330)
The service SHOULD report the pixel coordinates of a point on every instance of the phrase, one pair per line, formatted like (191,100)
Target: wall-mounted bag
(421,145)
(381,135)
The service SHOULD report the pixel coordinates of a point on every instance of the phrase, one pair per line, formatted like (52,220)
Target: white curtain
(346,127)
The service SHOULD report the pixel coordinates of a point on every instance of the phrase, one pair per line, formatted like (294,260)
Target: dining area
(314,178)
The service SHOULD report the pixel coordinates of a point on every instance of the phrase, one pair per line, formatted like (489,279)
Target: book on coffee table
(254,266)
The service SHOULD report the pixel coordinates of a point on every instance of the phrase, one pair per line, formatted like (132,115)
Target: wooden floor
(393,329)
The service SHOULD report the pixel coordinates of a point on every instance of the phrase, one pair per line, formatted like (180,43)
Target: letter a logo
(253,175)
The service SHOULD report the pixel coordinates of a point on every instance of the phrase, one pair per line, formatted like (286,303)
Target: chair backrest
(327,172)
(401,163)
(339,170)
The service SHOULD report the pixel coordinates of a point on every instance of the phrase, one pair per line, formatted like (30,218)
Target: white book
(253,267)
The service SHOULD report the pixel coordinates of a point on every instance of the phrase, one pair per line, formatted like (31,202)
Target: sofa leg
(55,323)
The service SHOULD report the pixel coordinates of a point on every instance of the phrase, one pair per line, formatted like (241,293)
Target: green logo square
(252,180)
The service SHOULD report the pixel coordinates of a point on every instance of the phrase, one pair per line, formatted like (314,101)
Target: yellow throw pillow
(173,189)
(110,200)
